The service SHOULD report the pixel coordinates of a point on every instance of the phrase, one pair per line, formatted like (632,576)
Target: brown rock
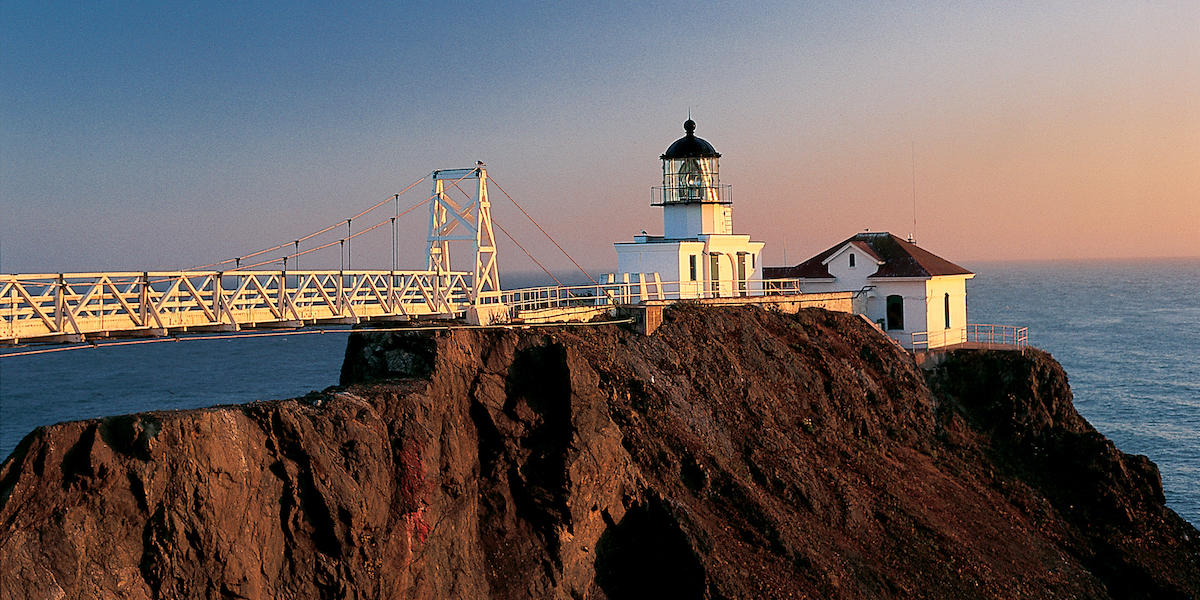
(736,453)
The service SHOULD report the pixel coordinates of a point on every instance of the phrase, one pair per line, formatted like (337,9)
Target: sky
(165,135)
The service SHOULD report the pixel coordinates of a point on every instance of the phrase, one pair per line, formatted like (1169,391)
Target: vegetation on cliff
(735,453)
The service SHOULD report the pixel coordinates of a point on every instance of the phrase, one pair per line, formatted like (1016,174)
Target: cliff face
(736,453)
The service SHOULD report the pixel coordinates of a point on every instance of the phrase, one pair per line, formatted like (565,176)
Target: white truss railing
(56,307)
(74,305)
(643,289)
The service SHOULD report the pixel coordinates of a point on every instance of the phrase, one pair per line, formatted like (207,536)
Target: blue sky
(165,135)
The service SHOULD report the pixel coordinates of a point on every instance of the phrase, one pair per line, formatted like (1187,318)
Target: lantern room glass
(690,179)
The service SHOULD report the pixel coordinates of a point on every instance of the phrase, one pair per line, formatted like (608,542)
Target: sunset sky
(166,135)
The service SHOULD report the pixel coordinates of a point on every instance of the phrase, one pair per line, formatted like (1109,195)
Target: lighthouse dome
(690,146)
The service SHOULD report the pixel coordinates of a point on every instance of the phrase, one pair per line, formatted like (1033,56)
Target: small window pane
(895,312)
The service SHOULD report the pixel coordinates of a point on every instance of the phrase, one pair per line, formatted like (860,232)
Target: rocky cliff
(735,453)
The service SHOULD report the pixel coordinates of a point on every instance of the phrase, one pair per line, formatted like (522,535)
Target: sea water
(1127,333)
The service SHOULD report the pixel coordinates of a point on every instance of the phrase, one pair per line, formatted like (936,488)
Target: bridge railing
(49,305)
(984,334)
(642,290)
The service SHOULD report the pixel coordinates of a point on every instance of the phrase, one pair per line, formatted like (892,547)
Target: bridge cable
(338,241)
(352,236)
(535,261)
(514,240)
(360,233)
(313,234)
(505,232)
(548,236)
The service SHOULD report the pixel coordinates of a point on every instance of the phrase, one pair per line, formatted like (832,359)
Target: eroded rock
(736,453)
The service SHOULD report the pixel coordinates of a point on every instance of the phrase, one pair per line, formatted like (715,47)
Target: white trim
(882,279)
(897,279)
(847,246)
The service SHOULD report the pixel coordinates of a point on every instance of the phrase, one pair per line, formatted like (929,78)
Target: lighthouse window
(692,266)
(851,260)
(689,180)
(895,312)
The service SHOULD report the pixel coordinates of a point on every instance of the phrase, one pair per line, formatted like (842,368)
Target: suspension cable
(535,261)
(338,241)
(548,236)
(514,240)
(354,235)
(309,236)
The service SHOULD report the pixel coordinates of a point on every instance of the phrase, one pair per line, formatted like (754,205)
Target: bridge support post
(475,216)
(144,300)
(60,304)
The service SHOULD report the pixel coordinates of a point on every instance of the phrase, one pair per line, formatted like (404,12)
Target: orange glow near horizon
(1042,131)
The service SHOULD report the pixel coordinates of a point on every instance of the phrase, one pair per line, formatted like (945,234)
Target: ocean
(1127,332)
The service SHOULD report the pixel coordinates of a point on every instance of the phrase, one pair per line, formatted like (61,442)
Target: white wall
(915,312)
(670,261)
(936,289)
(851,278)
(727,247)
(682,221)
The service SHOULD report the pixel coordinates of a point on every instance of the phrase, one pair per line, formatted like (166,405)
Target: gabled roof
(899,258)
(861,246)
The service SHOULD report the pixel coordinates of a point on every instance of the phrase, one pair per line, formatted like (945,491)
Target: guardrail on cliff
(974,335)
(642,289)
(582,302)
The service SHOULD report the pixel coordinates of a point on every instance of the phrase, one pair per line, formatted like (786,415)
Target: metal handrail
(1013,336)
(75,304)
(634,292)
(665,195)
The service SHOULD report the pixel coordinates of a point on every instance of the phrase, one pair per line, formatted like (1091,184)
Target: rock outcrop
(735,453)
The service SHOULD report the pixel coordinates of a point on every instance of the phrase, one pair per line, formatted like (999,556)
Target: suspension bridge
(259,291)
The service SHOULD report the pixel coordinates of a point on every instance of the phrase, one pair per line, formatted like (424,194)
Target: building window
(947,310)
(692,266)
(895,312)
(851,260)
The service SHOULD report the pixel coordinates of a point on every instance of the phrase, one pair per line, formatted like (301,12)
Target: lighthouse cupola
(694,201)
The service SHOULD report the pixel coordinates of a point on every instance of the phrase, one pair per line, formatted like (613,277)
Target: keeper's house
(911,293)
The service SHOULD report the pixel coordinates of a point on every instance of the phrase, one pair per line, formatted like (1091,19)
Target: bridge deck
(72,306)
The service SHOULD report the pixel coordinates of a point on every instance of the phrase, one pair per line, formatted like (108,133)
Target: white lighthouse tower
(698,255)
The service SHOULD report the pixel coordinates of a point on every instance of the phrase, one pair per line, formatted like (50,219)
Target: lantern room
(694,201)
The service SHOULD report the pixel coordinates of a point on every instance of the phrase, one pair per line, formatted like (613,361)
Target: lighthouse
(698,255)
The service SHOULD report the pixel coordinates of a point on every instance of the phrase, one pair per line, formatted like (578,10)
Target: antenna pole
(913,149)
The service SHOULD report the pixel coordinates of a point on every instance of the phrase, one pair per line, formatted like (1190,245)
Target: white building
(698,255)
(910,292)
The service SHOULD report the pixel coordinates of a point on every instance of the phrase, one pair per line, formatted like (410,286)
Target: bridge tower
(446,216)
